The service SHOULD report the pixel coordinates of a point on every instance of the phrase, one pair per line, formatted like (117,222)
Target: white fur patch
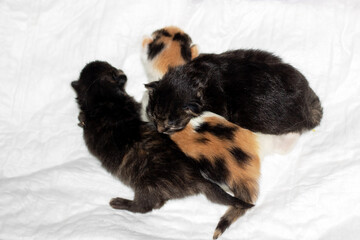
(144,103)
(152,74)
(276,144)
(207,114)
(197,121)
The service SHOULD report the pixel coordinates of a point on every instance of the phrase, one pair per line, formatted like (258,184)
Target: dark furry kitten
(251,88)
(132,150)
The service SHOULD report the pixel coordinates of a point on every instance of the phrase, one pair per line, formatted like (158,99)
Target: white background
(52,188)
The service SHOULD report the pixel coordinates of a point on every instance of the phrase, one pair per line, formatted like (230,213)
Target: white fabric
(52,188)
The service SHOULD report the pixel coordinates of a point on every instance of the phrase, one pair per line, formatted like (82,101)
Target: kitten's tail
(231,215)
(216,194)
(246,190)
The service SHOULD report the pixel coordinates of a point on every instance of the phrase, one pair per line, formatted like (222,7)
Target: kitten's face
(170,110)
(99,81)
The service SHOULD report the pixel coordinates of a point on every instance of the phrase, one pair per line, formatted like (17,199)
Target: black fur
(162,32)
(251,88)
(240,156)
(202,140)
(132,150)
(223,225)
(217,172)
(183,38)
(185,42)
(154,49)
(185,52)
(220,131)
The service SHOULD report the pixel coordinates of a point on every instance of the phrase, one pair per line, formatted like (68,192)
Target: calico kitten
(251,88)
(133,150)
(226,153)
(166,48)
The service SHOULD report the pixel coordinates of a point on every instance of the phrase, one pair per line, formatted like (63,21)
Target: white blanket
(52,188)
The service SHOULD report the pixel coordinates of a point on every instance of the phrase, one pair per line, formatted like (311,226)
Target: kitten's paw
(81,119)
(120,203)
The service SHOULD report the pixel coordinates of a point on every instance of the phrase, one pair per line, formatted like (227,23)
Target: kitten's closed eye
(172,123)
(193,108)
(175,126)
(171,130)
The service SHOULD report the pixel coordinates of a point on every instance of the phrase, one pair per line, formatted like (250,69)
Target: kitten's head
(98,82)
(171,107)
(167,47)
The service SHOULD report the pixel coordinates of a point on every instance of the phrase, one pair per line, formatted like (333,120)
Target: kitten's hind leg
(142,203)
(217,195)
(121,203)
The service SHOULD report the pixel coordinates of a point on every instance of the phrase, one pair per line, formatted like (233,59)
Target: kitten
(226,153)
(132,150)
(251,88)
(168,47)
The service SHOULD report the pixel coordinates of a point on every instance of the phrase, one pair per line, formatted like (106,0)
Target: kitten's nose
(161,128)
(121,77)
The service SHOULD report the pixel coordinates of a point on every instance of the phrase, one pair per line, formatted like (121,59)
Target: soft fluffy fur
(166,48)
(251,88)
(132,150)
(227,154)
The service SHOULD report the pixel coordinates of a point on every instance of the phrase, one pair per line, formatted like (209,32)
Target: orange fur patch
(240,175)
(146,41)
(170,56)
(194,51)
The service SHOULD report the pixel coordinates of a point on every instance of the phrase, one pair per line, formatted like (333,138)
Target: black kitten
(132,150)
(251,88)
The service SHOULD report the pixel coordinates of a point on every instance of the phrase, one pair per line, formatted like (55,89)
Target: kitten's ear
(146,41)
(75,85)
(193,108)
(151,86)
(194,51)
